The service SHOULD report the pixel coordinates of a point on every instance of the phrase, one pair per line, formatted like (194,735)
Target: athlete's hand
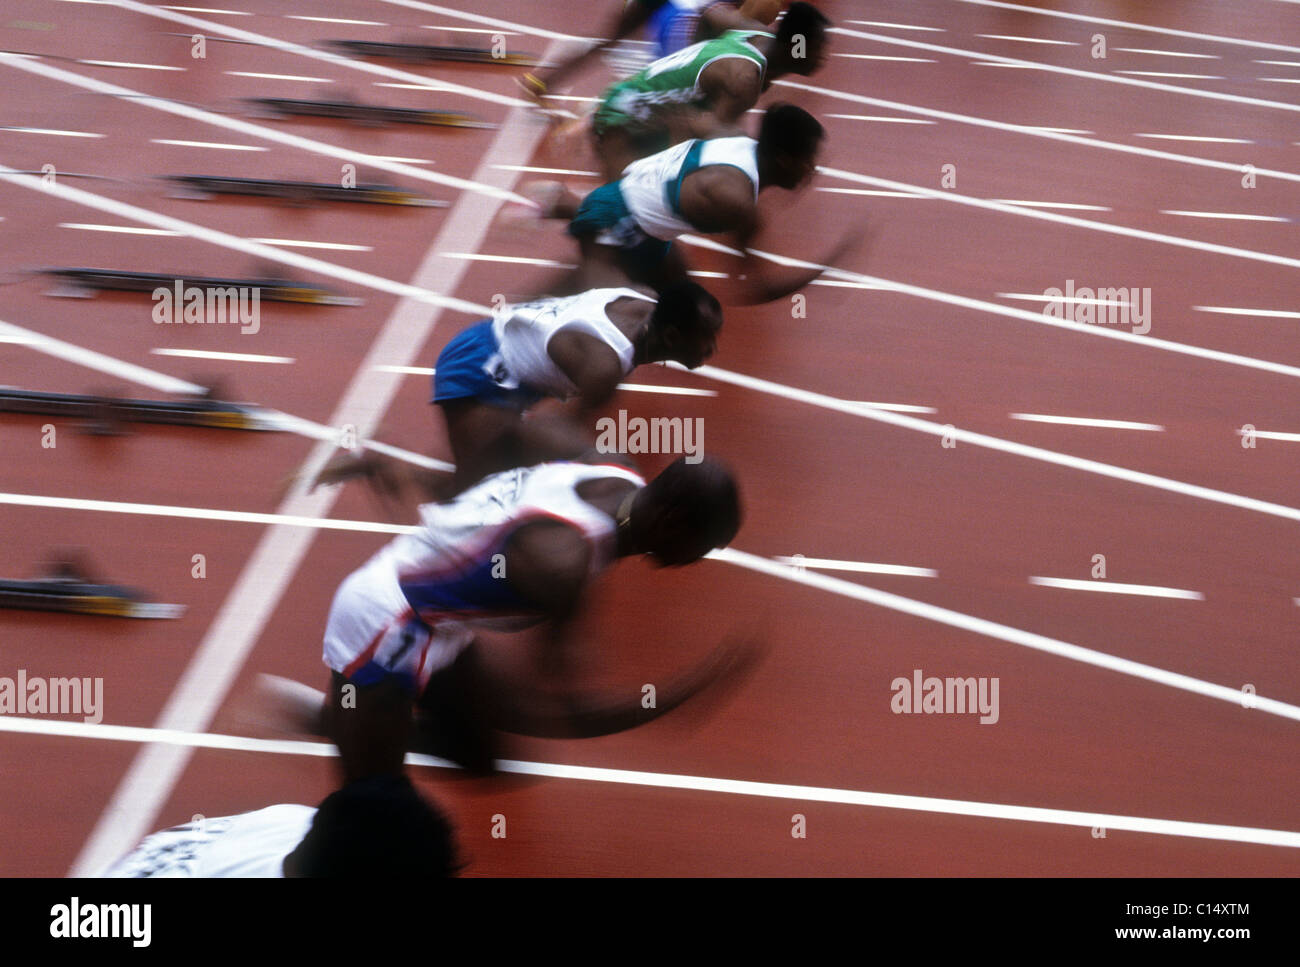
(533,87)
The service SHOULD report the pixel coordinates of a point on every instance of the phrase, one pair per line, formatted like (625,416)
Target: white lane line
(873,192)
(1280,63)
(994,63)
(840,284)
(54,131)
(1030,40)
(431,85)
(213,354)
(1105,227)
(1064,135)
(1112,78)
(1190,77)
(669,390)
(1168,31)
(1194,137)
(1263,313)
(798,561)
(1273,435)
(168,384)
(469,30)
(407,370)
(1281,80)
(119,229)
(247,246)
(1168,53)
(302,51)
(911,60)
(259,131)
(228,13)
(300,243)
(551,171)
(118,63)
(880,119)
(896,407)
(1063,205)
(388,285)
(1110,587)
(735,787)
(265,577)
(996,443)
(1010,312)
(785,569)
(209,144)
(279,77)
(879,23)
(511,259)
(97,361)
(1001,632)
(1068,299)
(1237,216)
(1087,421)
(310,522)
(337,20)
(632,387)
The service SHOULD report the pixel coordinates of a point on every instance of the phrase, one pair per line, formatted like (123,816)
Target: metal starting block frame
(70,595)
(426,53)
(85,282)
(103,413)
(369,113)
(205,186)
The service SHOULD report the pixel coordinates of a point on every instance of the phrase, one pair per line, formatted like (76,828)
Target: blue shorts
(604,215)
(471,367)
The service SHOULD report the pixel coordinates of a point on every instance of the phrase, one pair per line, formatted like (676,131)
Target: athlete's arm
(631,18)
(590,365)
(730,88)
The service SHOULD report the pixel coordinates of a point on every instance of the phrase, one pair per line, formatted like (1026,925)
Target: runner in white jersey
(378,826)
(710,187)
(516,551)
(576,347)
(673,25)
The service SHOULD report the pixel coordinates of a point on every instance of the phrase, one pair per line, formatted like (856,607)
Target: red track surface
(825,484)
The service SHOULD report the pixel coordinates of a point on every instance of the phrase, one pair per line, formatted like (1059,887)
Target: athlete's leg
(483,439)
(370,724)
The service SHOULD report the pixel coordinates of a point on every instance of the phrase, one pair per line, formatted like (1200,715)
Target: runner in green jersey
(704,90)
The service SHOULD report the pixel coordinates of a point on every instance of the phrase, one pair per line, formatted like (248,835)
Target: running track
(1117,710)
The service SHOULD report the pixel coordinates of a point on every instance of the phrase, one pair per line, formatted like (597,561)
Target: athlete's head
(686,511)
(801,38)
(684,325)
(375,827)
(789,141)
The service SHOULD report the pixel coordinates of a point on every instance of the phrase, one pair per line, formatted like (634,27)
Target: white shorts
(373,635)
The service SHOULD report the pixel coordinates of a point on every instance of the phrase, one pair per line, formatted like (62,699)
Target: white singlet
(524,331)
(651,186)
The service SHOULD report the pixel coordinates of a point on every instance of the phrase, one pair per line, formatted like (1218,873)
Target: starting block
(103,414)
(369,113)
(203,187)
(84,283)
(74,595)
(425,53)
